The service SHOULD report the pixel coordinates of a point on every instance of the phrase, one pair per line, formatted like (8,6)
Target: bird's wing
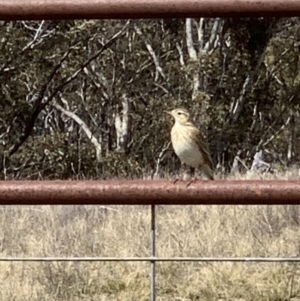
(200,141)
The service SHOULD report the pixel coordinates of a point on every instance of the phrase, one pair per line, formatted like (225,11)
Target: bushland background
(85,100)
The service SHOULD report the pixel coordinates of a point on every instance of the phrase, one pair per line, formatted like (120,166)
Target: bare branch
(189,40)
(276,134)
(39,105)
(37,39)
(237,107)
(160,158)
(213,35)
(200,34)
(83,125)
(158,68)
(181,59)
(196,85)
(102,81)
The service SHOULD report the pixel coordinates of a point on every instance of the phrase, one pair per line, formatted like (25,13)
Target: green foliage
(262,51)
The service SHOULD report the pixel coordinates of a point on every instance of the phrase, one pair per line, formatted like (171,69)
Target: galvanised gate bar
(147,192)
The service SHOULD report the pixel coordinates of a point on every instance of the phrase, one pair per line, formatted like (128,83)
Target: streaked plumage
(188,143)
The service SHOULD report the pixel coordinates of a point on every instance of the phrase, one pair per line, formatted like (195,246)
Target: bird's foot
(185,177)
(193,180)
(177,179)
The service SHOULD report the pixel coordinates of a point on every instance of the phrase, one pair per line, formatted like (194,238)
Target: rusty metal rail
(150,192)
(133,9)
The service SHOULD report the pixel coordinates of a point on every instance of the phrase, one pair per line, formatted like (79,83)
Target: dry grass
(124,231)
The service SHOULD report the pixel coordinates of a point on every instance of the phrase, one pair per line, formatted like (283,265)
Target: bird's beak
(168,112)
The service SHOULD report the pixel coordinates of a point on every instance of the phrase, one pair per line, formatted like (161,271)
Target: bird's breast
(186,148)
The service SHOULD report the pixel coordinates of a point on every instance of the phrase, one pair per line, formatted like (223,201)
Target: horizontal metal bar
(135,9)
(139,192)
(155,259)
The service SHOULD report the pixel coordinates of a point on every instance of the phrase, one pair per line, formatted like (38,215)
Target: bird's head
(180,115)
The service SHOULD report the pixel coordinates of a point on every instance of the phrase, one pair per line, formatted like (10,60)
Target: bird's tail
(208,171)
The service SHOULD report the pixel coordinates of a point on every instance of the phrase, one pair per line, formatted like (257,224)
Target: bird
(189,144)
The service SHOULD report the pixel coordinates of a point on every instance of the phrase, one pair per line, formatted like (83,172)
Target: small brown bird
(189,144)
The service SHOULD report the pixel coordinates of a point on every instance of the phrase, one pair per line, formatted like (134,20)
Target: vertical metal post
(152,274)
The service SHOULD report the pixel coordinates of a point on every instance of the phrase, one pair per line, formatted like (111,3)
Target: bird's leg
(181,173)
(192,171)
(193,180)
(193,176)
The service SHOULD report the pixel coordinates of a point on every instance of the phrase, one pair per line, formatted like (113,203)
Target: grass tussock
(225,231)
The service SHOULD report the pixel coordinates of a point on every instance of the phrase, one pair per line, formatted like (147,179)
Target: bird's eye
(179,113)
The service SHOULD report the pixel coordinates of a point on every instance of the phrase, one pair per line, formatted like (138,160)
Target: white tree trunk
(123,126)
